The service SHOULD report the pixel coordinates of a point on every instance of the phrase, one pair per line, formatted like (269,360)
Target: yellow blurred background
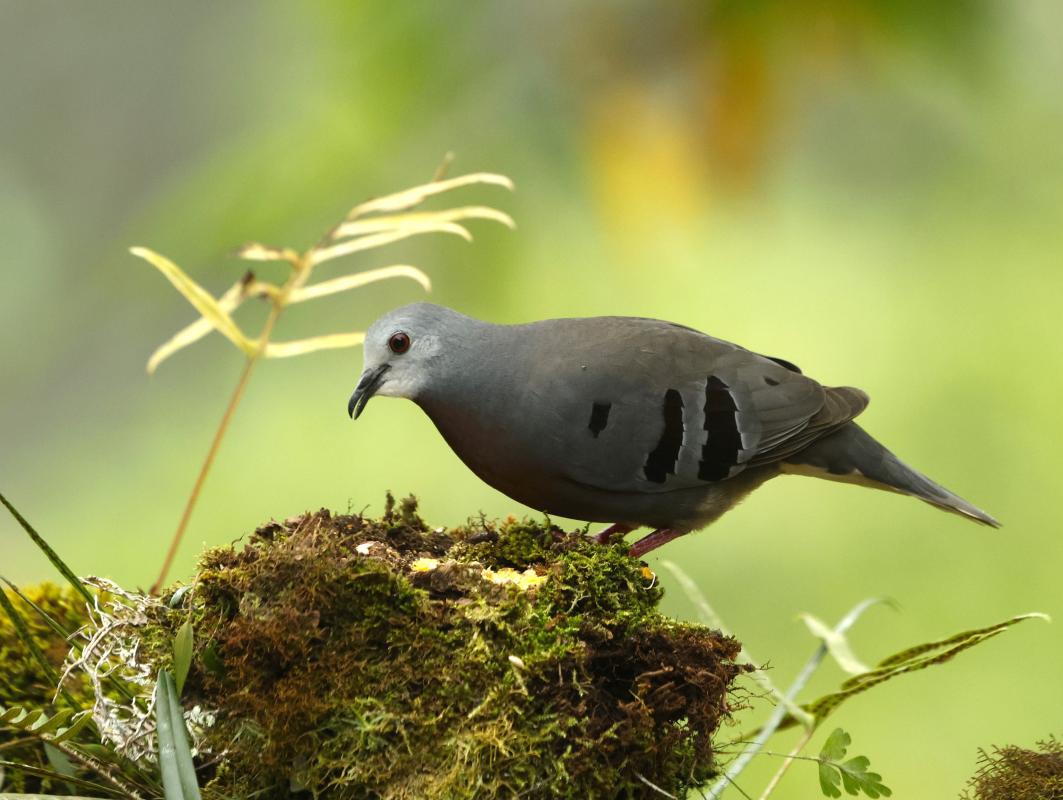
(873,190)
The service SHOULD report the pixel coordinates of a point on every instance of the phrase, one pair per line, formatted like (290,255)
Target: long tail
(850,455)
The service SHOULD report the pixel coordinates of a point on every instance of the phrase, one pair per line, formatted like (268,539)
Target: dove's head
(406,351)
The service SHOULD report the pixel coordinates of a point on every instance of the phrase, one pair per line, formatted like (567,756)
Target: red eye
(399,343)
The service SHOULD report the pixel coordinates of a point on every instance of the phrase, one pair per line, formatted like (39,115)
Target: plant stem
(793,756)
(105,771)
(263,340)
(779,713)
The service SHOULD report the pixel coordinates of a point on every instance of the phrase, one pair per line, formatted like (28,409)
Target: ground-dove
(636,422)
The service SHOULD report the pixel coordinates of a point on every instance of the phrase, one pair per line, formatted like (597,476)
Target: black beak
(365,389)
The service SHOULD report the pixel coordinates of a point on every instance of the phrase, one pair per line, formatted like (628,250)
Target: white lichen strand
(109,646)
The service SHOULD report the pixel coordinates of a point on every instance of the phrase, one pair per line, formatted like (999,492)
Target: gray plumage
(631,421)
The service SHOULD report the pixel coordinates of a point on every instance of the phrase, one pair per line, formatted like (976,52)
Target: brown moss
(1015,773)
(377,658)
(349,657)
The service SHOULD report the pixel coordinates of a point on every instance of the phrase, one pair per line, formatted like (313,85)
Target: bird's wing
(628,404)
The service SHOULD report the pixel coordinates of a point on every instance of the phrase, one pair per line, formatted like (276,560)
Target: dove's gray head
(407,350)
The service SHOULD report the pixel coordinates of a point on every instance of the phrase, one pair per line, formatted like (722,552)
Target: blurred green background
(873,190)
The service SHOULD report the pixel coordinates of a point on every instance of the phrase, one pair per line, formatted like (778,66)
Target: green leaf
(52,556)
(212,660)
(175,756)
(856,778)
(58,761)
(178,596)
(59,727)
(852,774)
(909,660)
(182,654)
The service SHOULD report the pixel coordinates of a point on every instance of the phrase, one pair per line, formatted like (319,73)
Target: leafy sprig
(852,774)
(369,225)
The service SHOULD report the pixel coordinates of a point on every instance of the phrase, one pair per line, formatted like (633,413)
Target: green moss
(23,681)
(378,658)
(349,657)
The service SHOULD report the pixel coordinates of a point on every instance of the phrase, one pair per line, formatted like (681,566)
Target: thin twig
(780,712)
(204,470)
(13,743)
(105,771)
(791,757)
(223,427)
(731,781)
(654,786)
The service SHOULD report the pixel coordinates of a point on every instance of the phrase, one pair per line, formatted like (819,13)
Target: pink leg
(603,536)
(651,541)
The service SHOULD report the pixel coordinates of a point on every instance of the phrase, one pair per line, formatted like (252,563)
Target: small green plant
(353,657)
(833,770)
(851,773)
(369,225)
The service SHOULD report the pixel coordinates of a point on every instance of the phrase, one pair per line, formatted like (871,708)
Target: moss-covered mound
(378,658)
(1016,773)
(341,656)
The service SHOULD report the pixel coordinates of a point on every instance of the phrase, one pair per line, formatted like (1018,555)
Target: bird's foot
(603,537)
(651,541)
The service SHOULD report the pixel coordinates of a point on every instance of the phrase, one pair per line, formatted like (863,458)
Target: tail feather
(851,455)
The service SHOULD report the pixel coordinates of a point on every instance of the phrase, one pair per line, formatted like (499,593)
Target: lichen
(351,657)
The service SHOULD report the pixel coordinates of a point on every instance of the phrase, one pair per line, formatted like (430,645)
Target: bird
(636,422)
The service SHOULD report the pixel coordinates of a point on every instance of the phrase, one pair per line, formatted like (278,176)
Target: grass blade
(52,556)
(23,633)
(182,654)
(175,756)
(50,621)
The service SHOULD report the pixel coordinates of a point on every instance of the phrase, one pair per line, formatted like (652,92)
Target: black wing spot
(720,452)
(661,462)
(770,381)
(599,418)
(784,363)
